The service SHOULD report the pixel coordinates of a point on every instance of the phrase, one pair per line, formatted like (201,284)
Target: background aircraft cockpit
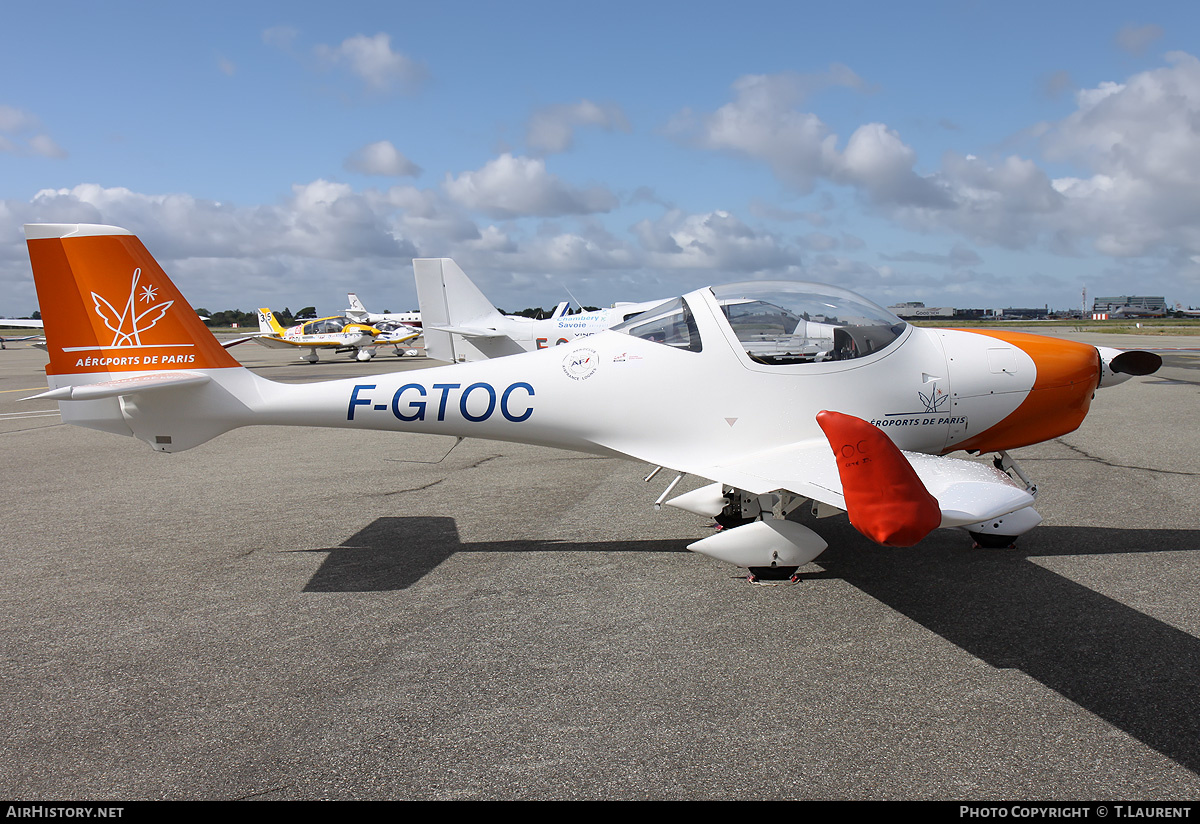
(670,323)
(326,326)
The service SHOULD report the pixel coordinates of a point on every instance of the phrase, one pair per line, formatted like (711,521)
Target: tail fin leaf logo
(128,324)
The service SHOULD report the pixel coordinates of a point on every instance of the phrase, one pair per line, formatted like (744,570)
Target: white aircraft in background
(359,314)
(337,333)
(19,323)
(786,396)
(33,323)
(461,325)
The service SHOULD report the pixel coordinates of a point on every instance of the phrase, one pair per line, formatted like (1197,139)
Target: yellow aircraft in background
(338,333)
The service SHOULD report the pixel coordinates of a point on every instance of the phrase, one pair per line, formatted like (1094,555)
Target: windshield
(780,322)
(670,323)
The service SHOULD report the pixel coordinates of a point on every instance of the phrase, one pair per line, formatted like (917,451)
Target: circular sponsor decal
(581,364)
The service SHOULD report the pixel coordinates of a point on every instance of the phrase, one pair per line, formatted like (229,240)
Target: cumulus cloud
(1139,148)
(280,37)
(715,240)
(381,158)
(1132,145)
(878,162)
(764,123)
(14,120)
(1056,84)
(552,129)
(511,187)
(44,146)
(373,61)
(20,135)
(1136,39)
(320,220)
(958,257)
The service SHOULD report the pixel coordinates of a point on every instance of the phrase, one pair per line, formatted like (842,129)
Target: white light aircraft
(19,323)
(461,325)
(340,334)
(359,314)
(784,395)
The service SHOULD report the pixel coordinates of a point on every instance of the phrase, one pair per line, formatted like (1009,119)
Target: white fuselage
(613,393)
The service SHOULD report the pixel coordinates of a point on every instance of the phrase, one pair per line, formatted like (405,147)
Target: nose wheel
(773,576)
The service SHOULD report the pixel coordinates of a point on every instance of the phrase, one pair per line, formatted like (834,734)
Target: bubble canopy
(780,322)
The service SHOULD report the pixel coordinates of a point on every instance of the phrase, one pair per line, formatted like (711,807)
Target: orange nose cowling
(1067,376)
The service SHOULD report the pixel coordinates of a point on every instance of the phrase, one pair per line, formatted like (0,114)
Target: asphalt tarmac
(302,614)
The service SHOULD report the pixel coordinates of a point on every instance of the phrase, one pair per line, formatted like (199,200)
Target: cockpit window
(670,323)
(325,326)
(780,323)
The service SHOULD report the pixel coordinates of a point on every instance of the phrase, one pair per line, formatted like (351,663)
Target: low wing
(396,337)
(967,492)
(805,468)
(273,342)
(892,496)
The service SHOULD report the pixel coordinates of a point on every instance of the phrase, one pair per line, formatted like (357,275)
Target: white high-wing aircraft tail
(457,317)
(356,311)
(462,325)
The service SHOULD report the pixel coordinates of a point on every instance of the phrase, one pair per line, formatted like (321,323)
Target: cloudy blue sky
(959,153)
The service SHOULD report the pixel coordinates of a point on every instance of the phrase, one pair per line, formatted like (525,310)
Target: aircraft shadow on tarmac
(1137,673)
(395,553)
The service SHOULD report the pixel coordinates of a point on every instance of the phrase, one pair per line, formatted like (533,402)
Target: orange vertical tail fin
(109,307)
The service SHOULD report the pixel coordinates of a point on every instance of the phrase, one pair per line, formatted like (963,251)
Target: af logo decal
(127,326)
(581,364)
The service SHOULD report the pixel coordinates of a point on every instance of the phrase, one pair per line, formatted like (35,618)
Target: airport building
(1128,306)
(916,310)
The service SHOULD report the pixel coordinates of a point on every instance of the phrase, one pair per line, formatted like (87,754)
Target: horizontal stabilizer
(471,331)
(122,386)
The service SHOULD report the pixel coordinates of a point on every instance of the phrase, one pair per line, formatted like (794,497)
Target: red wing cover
(885,499)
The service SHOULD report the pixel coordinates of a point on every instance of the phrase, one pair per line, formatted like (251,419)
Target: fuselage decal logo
(581,364)
(934,401)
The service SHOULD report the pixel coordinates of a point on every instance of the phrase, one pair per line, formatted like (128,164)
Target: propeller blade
(1135,362)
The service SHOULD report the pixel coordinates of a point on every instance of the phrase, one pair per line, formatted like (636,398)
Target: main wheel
(783,573)
(991,540)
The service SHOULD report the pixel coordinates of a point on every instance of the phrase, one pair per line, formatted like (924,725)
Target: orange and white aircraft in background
(340,334)
(461,325)
(786,396)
